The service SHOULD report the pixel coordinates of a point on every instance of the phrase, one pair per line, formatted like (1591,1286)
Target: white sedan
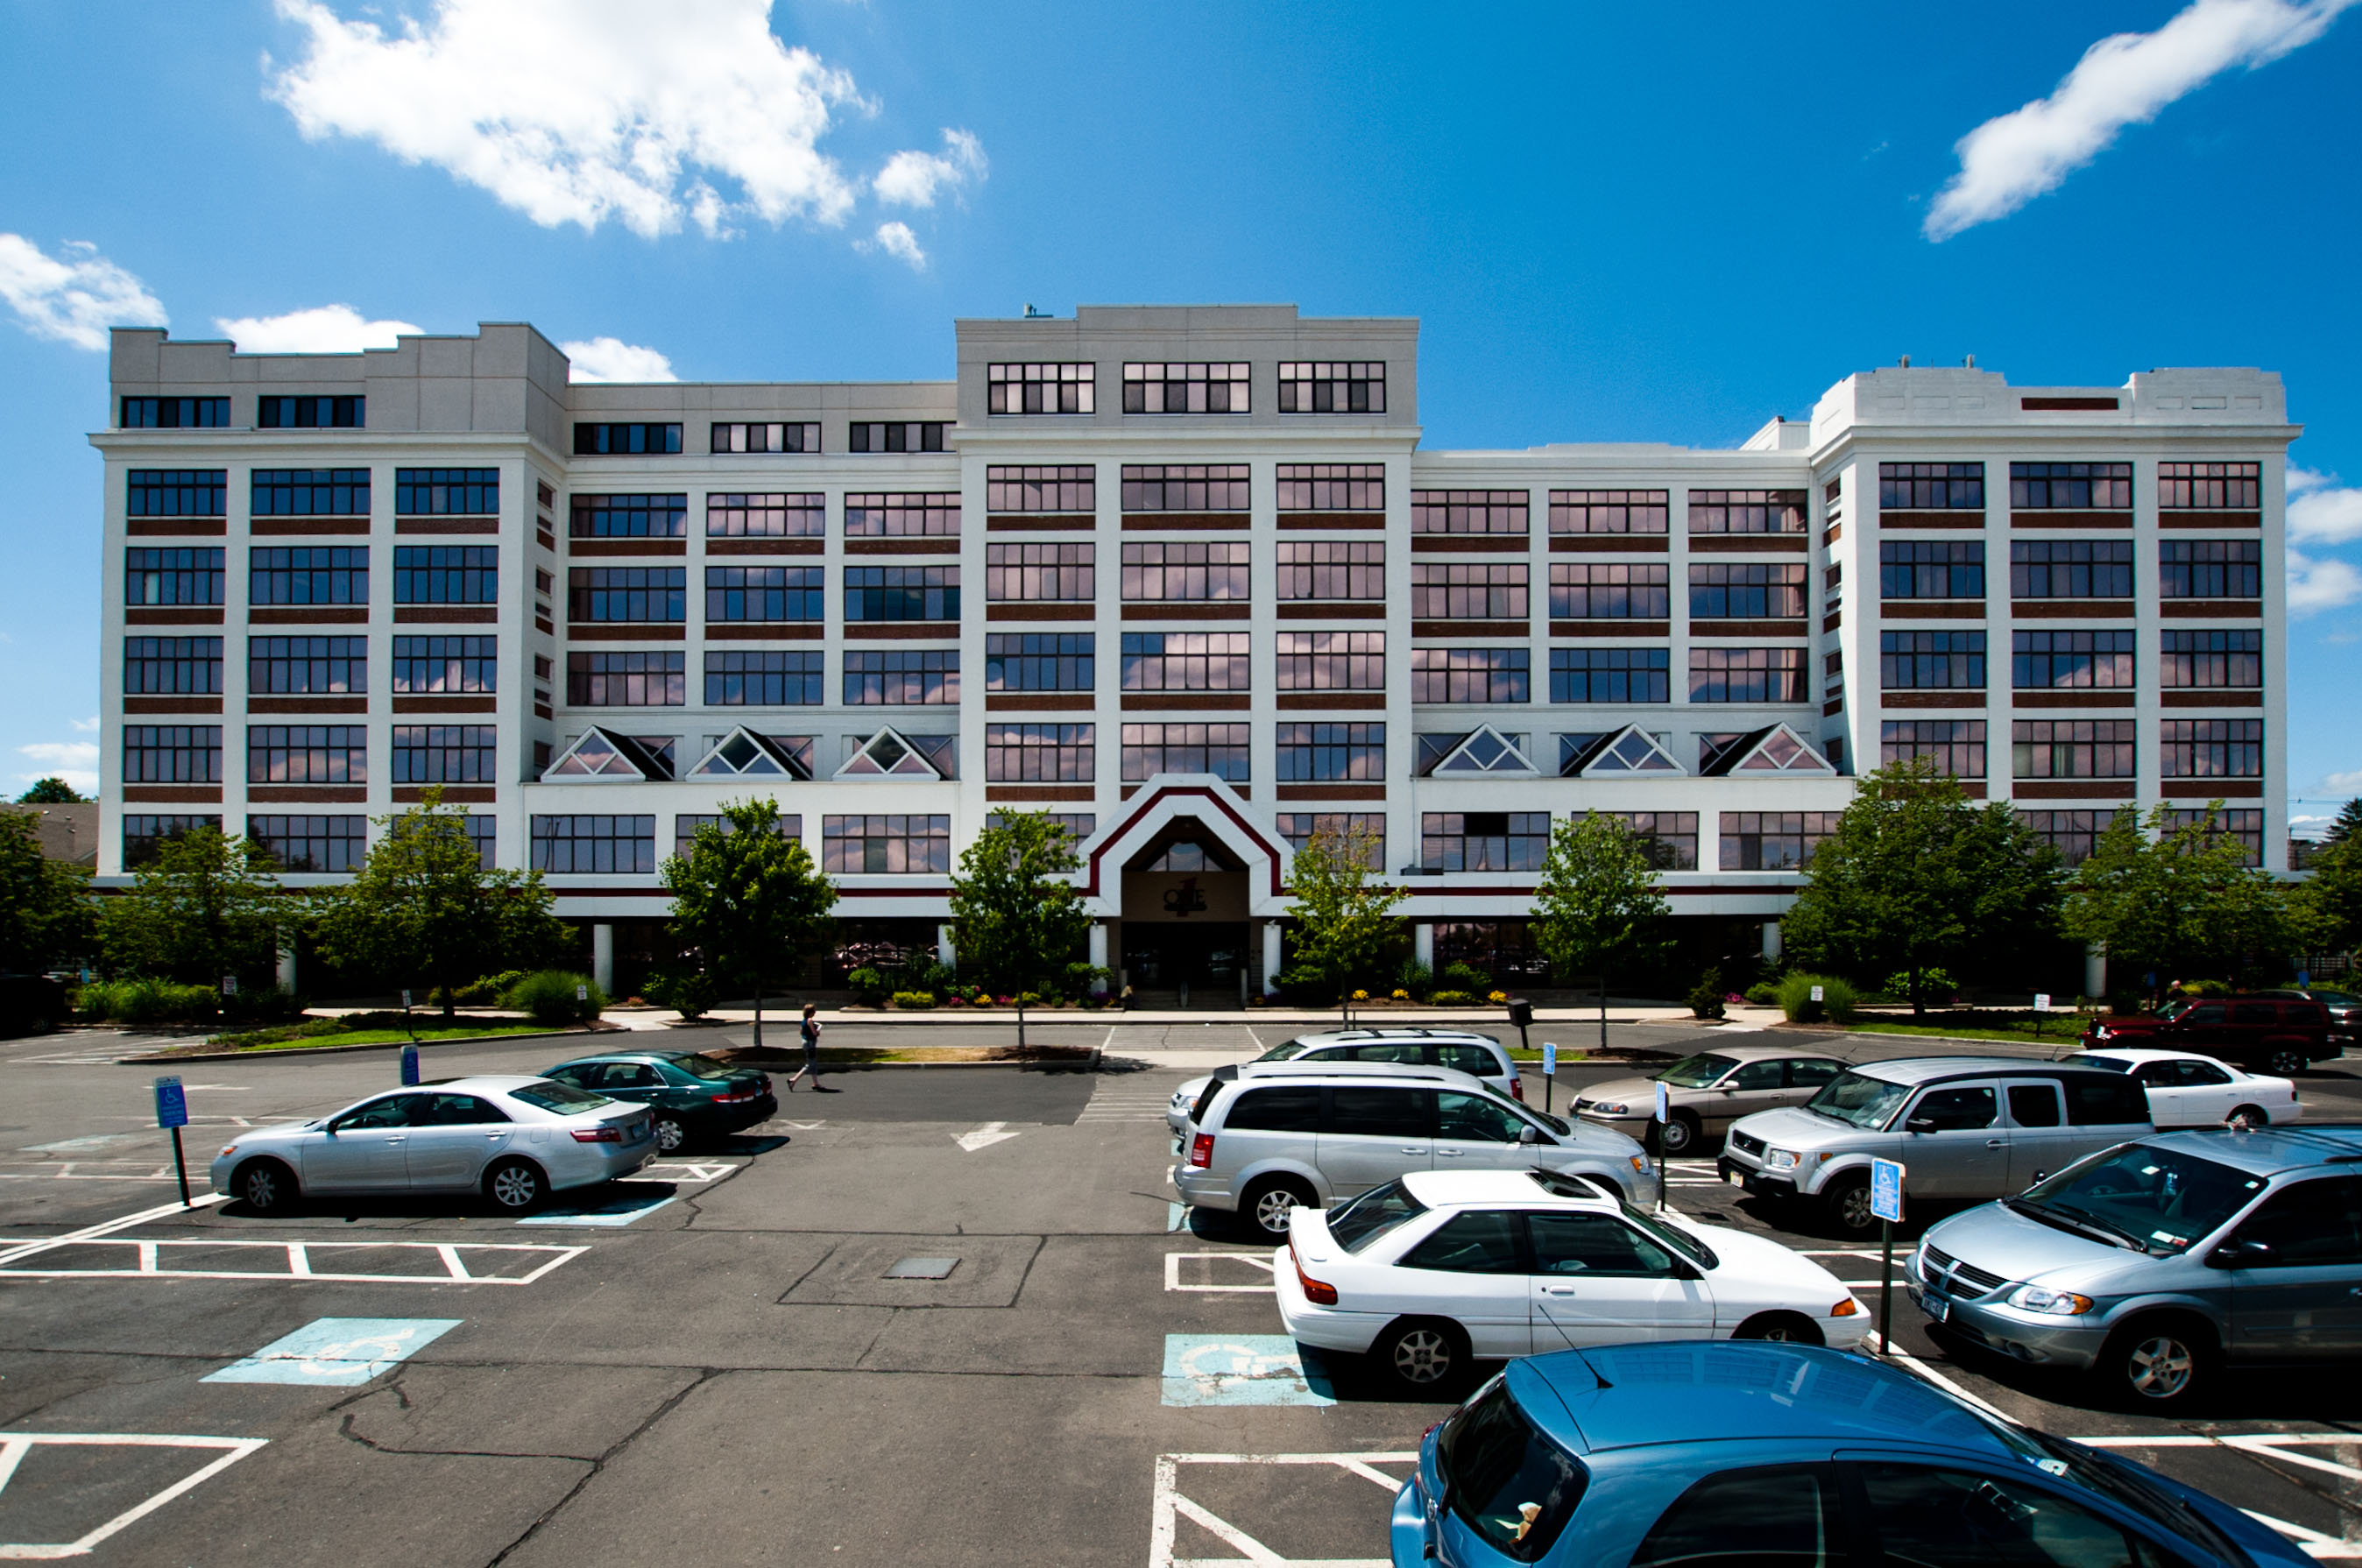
(2198,1091)
(1426,1273)
(516,1140)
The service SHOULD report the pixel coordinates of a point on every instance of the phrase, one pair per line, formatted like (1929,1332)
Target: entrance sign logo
(1185,898)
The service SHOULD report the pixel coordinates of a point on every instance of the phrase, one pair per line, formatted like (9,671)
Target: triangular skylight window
(887,755)
(1484,750)
(1634,751)
(743,754)
(1775,750)
(597,755)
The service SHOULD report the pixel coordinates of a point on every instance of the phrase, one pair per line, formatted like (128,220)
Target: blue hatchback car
(1724,1455)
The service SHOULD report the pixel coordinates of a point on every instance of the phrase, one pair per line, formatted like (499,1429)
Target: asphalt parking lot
(709,1362)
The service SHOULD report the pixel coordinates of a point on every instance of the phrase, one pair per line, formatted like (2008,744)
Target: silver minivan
(1261,1142)
(1462,1049)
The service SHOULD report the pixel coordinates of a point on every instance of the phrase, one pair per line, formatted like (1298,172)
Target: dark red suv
(2260,1033)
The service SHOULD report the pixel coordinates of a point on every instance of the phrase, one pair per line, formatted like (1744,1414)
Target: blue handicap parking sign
(1886,1189)
(172,1103)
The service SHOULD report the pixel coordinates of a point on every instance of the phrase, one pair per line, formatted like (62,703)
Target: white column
(2095,971)
(1099,944)
(1770,942)
(943,953)
(287,968)
(602,956)
(1270,954)
(1422,943)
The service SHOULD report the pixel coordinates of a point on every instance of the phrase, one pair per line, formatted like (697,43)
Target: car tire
(266,1186)
(516,1186)
(1793,1328)
(2248,1116)
(1680,1136)
(2285,1061)
(1266,1204)
(1848,1206)
(671,1132)
(1422,1356)
(2160,1364)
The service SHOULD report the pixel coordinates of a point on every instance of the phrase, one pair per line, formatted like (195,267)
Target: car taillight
(734,1097)
(1201,1151)
(1517,1087)
(1316,1292)
(597,1135)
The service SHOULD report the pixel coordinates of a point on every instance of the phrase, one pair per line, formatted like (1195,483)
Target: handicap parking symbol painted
(618,1211)
(337,1350)
(1240,1369)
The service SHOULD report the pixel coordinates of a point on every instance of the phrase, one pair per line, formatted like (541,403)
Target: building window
(448,574)
(767,677)
(898,436)
(1331,487)
(306,754)
(1470,674)
(1609,512)
(484,833)
(889,846)
(1746,675)
(2070,568)
(1186,571)
(1747,510)
(1039,661)
(1468,591)
(309,492)
(2071,487)
(907,676)
(2213,660)
(1610,675)
(1321,386)
(1951,568)
(311,413)
(1184,487)
(178,492)
(1041,389)
(901,593)
(1483,841)
(319,574)
(1185,661)
(1040,753)
(173,576)
(762,437)
(608,845)
(2070,661)
(1043,573)
(279,666)
(1332,661)
(2210,487)
(1300,829)
(1184,389)
(2070,835)
(1774,841)
(176,414)
(1931,487)
(1610,590)
(1910,661)
(899,516)
(440,492)
(2212,748)
(654,679)
(2071,749)
(446,665)
(1332,568)
(1072,486)
(765,593)
(629,517)
(1218,749)
(172,666)
(144,834)
(1469,510)
(172,753)
(1670,838)
(2244,828)
(1748,591)
(1329,754)
(646,594)
(445,754)
(617,440)
(1956,746)
(770,516)
(2210,568)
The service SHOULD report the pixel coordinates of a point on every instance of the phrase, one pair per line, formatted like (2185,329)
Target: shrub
(688,992)
(144,1002)
(1498,998)
(868,986)
(1465,977)
(1836,1006)
(1706,997)
(1935,985)
(1415,978)
(310,1029)
(548,996)
(1764,993)
(1361,996)
(1452,998)
(266,1007)
(1400,995)
(2205,987)
(1087,979)
(1307,987)
(911,1001)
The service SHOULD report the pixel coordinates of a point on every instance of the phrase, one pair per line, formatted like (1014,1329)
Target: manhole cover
(923,1268)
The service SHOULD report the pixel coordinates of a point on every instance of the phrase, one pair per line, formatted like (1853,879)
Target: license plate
(639,1130)
(1938,1308)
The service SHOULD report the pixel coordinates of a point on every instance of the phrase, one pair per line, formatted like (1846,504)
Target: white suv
(1464,1051)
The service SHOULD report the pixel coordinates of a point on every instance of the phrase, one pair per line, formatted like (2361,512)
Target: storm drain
(923,1268)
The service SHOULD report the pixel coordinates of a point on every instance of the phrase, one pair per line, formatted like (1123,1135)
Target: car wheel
(1790,1327)
(1678,1136)
(1267,1203)
(2158,1363)
(516,1186)
(265,1187)
(1848,1204)
(2248,1116)
(672,1135)
(2285,1063)
(1421,1355)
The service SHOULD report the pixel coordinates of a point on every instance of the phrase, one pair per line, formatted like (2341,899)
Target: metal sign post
(2041,1006)
(1549,1073)
(1663,1113)
(172,1111)
(1886,1203)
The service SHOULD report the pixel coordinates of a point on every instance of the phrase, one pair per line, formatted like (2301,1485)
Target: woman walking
(811,1053)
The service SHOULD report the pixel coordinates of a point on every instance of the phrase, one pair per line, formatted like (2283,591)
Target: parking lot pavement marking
(88,1145)
(1240,1369)
(302,1260)
(1918,1368)
(1258,1286)
(16,1446)
(983,1137)
(338,1352)
(79,1170)
(1114,1101)
(1170,1506)
(1176,1215)
(104,1228)
(686,1173)
(2311,1542)
(614,1213)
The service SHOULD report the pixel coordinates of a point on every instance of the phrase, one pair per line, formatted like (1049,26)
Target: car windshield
(563,1099)
(1509,1485)
(1680,1241)
(1360,1220)
(2161,1201)
(1555,1124)
(1286,1050)
(712,1069)
(1859,1100)
(2175,1008)
(2337,999)
(2125,1487)
(1697,1071)
(2105,1064)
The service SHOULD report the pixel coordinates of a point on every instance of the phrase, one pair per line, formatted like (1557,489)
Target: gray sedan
(1704,1094)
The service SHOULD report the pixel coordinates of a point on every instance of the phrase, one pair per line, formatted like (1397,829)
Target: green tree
(1597,906)
(1918,877)
(749,899)
(2327,905)
(422,906)
(2348,824)
(206,906)
(45,913)
(52,792)
(1016,914)
(2180,900)
(1344,920)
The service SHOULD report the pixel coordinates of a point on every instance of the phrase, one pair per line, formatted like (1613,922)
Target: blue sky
(1651,223)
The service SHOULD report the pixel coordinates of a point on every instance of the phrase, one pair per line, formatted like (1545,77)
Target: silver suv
(1462,1049)
(1964,1128)
(2155,1263)
(1260,1143)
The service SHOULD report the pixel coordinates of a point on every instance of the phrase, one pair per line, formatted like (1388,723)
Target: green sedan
(692,1097)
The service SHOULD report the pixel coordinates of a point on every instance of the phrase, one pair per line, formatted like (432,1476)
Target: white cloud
(88,727)
(612,360)
(2339,784)
(579,110)
(2314,585)
(73,297)
(912,179)
(2320,509)
(323,329)
(895,239)
(76,762)
(2126,78)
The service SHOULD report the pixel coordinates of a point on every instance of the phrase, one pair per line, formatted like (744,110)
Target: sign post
(1886,1203)
(1663,1114)
(1549,1073)
(172,1111)
(2041,1006)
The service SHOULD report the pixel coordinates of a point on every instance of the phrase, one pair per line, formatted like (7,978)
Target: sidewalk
(1491,1020)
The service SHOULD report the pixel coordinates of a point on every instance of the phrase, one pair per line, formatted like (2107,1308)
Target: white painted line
(107,1227)
(151,1260)
(983,1137)
(2311,1542)
(1259,1287)
(1168,1507)
(1230,1535)
(13,1446)
(1912,1364)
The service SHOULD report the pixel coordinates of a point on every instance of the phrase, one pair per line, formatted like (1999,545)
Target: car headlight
(1780,1159)
(1611,1109)
(2051,1303)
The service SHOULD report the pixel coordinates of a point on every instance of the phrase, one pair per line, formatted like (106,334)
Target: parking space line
(2266,1445)
(15,1446)
(1912,1364)
(1169,1506)
(149,1258)
(2311,1542)
(1259,1287)
(104,1228)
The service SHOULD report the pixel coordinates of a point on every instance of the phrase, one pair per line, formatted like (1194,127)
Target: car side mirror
(1920,1124)
(1682,1269)
(1529,1134)
(2240,1255)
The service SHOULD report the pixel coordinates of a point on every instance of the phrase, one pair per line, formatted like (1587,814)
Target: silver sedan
(515,1140)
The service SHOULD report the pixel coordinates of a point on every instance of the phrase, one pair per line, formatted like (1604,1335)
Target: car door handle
(1442,1153)
(394,1140)
(1558,1290)
(1413,1149)
(1996,1142)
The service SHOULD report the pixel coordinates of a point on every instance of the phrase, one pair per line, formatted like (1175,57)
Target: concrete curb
(151,1056)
